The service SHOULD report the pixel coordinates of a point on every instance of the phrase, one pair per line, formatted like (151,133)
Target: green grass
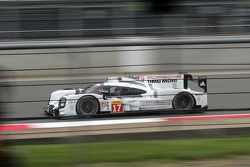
(131,151)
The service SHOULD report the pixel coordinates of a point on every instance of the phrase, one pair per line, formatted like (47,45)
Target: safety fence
(81,19)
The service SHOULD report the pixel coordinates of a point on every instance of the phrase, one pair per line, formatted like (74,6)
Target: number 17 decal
(117,106)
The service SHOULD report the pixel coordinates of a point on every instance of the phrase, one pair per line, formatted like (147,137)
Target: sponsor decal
(141,78)
(105,104)
(132,101)
(155,103)
(163,81)
(161,77)
(117,106)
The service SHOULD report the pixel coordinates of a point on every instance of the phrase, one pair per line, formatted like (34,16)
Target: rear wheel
(183,101)
(87,106)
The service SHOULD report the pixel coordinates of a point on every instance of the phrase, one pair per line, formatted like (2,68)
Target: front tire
(183,101)
(87,106)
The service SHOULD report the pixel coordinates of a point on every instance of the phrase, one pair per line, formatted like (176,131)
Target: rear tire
(183,101)
(87,106)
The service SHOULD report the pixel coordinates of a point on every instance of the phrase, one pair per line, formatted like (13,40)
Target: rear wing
(202,83)
(174,81)
(200,80)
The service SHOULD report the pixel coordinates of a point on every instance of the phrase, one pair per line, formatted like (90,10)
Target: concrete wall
(122,56)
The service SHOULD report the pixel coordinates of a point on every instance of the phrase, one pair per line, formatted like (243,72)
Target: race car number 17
(117,106)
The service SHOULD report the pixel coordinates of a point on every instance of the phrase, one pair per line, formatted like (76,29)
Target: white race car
(120,94)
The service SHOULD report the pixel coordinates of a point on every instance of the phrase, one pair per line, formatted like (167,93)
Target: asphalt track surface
(224,92)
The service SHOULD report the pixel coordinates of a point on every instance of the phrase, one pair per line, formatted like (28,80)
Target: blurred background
(28,76)
(106,18)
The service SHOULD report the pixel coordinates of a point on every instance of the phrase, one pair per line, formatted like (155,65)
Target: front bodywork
(53,104)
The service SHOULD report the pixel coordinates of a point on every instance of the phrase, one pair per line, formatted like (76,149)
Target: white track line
(116,122)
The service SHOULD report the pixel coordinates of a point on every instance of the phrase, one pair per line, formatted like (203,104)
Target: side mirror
(104,94)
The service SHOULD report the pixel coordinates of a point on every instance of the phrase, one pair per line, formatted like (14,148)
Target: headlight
(62,102)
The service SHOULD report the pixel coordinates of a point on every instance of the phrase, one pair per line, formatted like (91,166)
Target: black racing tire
(87,106)
(183,101)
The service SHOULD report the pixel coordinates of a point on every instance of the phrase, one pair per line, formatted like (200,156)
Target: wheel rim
(183,102)
(87,106)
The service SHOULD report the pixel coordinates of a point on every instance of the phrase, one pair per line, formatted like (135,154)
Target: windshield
(95,89)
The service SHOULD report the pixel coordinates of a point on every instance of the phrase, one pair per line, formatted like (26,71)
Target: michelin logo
(155,103)
(162,81)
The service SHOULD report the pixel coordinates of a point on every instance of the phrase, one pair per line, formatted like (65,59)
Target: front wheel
(87,106)
(183,101)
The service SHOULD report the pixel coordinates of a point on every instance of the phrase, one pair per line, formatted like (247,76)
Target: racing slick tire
(183,101)
(87,106)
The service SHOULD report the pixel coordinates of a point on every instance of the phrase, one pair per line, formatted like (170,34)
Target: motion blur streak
(208,117)
(42,69)
(69,124)
(14,127)
(6,159)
